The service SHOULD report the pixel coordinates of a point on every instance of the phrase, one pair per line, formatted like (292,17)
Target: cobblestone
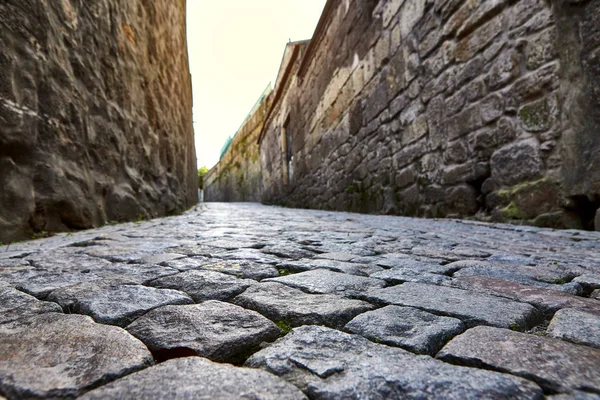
(255,272)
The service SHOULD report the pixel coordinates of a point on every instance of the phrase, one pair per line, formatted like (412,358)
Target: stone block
(409,328)
(541,49)
(477,40)
(191,377)
(557,366)
(540,115)
(331,364)
(470,307)
(516,163)
(576,327)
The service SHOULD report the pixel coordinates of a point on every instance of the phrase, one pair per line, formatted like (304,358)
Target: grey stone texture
(576,326)
(472,308)
(240,268)
(291,306)
(61,356)
(197,378)
(15,305)
(481,111)
(414,330)
(321,281)
(557,366)
(204,285)
(213,329)
(115,303)
(87,137)
(396,329)
(329,364)
(548,301)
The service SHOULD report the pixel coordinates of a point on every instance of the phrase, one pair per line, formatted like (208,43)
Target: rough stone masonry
(443,108)
(233,301)
(95,114)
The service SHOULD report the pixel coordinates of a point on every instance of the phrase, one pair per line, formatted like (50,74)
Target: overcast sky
(235,49)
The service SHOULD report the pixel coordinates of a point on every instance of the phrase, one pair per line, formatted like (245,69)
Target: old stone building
(236,177)
(445,108)
(95,121)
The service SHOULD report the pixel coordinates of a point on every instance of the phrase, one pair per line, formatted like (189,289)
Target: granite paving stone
(337,305)
(204,285)
(249,255)
(323,281)
(395,276)
(556,365)
(61,356)
(471,308)
(590,282)
(414,330)
(575,395)
(576,326)
(291,306)
(197,378)
(115,302)
(216,330)
(546,300)
(329,364)
(416,265)
(291,252)
(15,304)
(240,268)
(352,268)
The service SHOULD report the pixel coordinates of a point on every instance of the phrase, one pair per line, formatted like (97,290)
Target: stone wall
(95,114)
(445,108)
(236,177)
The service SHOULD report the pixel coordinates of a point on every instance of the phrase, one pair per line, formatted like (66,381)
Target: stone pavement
(247,301)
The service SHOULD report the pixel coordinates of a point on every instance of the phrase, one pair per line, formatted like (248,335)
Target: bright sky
(235,49)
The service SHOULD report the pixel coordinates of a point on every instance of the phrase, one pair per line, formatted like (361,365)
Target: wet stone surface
(358,306)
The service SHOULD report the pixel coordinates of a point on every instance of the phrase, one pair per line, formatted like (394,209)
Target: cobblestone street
(248,301)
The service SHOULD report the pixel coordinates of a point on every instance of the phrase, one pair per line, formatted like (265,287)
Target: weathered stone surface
(548,277)
(288,252)
(219,331)
(204,285)
(546,300)
(576,326)
(114,302)
(279,302)
(15,305)
(555,365)
(352,268)
(516,163)
(590,282)
(471,308)
(414,330)
(198,378)
(328,364)
(61,356)
(400,275)
(240,268)
(327,282)
(249,255)
(410,263)
(86,136)
(575,395)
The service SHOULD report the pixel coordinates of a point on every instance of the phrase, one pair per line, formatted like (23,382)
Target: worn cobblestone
(314,270)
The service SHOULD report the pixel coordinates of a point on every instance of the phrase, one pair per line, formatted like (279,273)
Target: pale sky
(235,49)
